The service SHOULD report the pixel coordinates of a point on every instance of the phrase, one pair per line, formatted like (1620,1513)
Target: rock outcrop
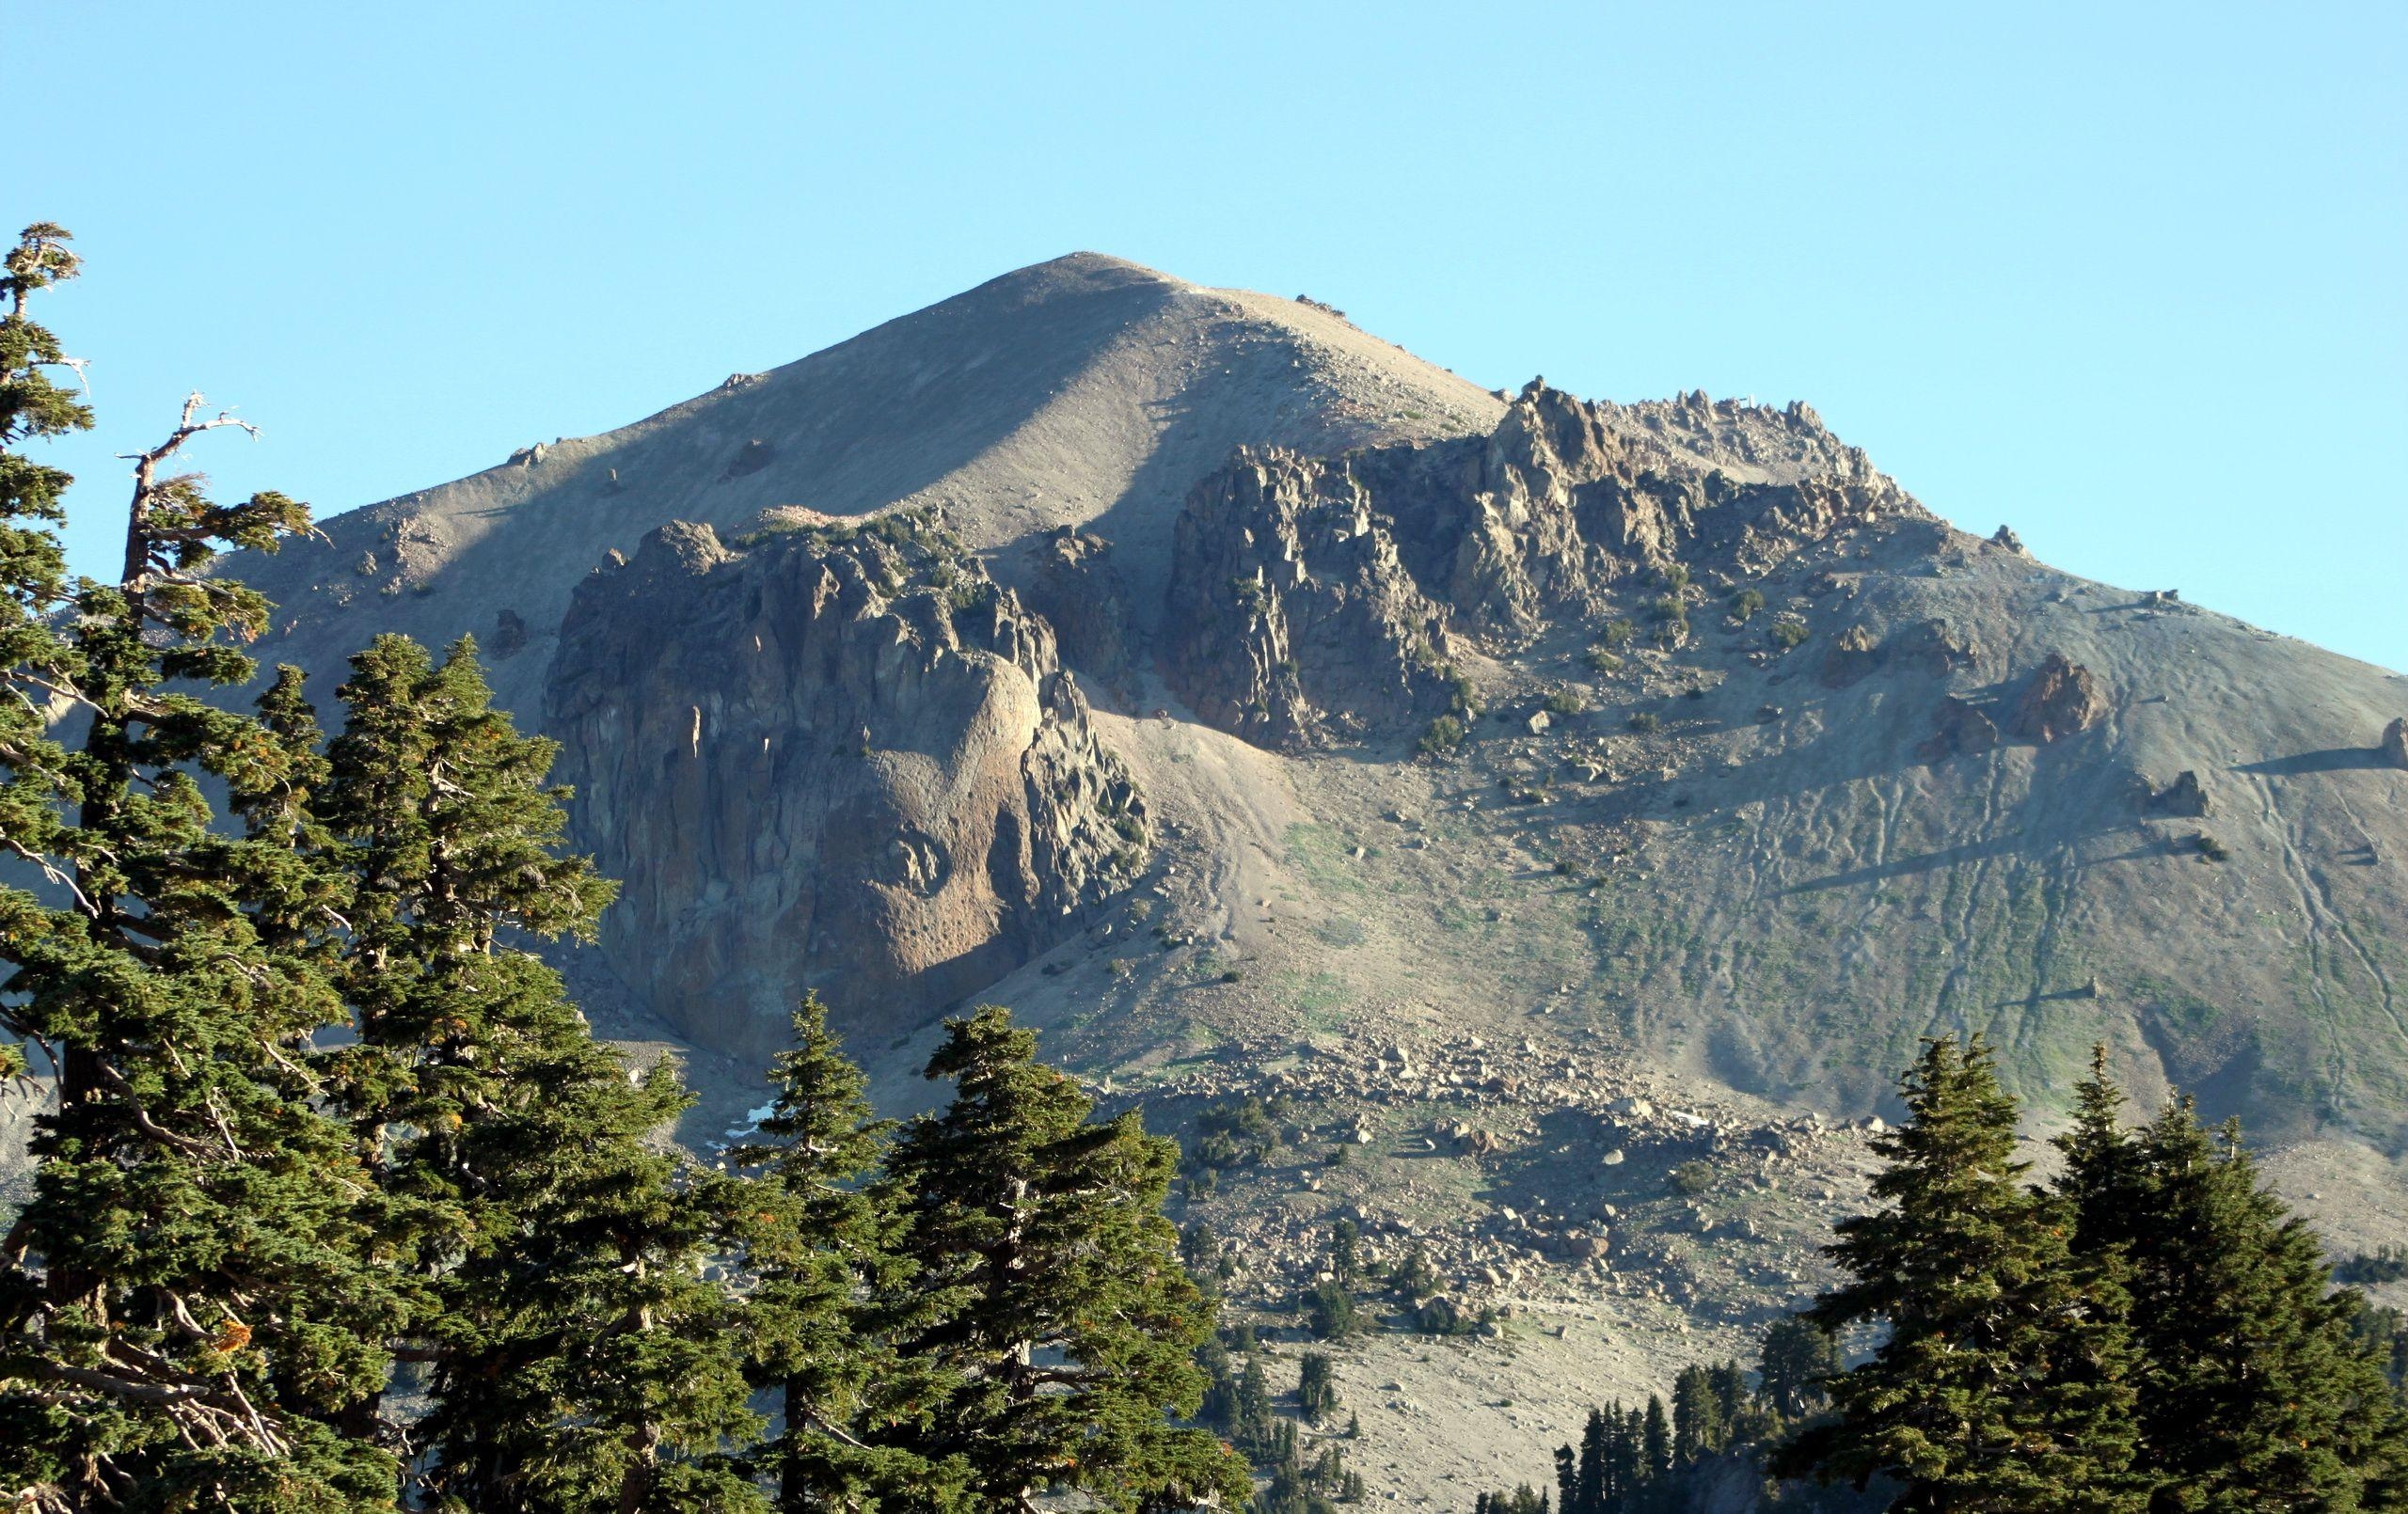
(828,758)
(2393,744)
(2061,700)
(1960,729)
(1290,618)
(1346,578)
(1075,584)
(2185,796)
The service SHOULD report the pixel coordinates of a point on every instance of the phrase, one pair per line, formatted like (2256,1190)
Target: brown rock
(2062,699)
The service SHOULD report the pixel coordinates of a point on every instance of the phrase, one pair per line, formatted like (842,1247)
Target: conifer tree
(184,1303)
(2004,1380)
(1059,1308)
(581,1359)
(1797,1354)
(822,1237)
(1655,1443)
(1598,1471)
(1697,1415)
(2257,1394)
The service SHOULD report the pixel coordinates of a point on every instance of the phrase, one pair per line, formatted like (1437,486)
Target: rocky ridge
(1347,581)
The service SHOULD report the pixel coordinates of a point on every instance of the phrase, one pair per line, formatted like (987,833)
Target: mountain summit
(1547,799)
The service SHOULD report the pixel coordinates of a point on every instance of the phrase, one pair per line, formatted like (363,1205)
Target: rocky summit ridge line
(1529,795)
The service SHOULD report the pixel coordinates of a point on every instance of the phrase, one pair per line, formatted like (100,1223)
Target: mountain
(1531,798)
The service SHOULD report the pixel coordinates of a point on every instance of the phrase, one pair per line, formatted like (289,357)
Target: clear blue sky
(2133,278)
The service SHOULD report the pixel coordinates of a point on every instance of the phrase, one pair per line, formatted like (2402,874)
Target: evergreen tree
(1057,1307)
(2004,1381)
(1656,1445)
(581,1359)
(184,1307)
(1316,1388)
(2257,1394)
(1697,1415)
(1599,1473)
(821,1239)
(1797,1355)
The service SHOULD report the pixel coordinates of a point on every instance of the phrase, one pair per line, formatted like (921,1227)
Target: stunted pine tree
(2256,1395)
(2004,1378)
(581,1359)
(185,1307)
(1057,1310)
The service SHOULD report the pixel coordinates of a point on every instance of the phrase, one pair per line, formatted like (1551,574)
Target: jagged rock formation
(833,759)
(2061,700)
(1345,578)
(1079,589)
(2393,745)
(1291,617)
(1085,391)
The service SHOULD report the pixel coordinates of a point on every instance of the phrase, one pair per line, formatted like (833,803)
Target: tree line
(342,1206)
(2151,1333)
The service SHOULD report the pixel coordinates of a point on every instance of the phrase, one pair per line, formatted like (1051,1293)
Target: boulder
(2393,744)
(2062,699)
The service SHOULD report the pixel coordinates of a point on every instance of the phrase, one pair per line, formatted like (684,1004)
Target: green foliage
(1616,633)
(1693,1177)
(1602,661)
(1564,701)
(2257,1389)
(1787,633)
(1676,577)
(187,1300)
(1445,734)
(2005,1379)
(2384,1263)
(1746,603)
(1330,1310)
(529,1197)
(1316,1388)
(1797,1355)
(1644,721)
(1049,1302)
(819,1240)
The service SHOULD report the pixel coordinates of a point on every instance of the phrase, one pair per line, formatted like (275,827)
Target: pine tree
(2005,1379)
(1059,1310)
(2257,1395)
(1697,1415)
(581,1359)
(1598,1471)
(184,1303)
(1655,1443)
(821,1238)
(1797,1354)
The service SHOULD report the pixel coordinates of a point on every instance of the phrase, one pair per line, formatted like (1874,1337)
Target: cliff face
(827,759)
(1319,597)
